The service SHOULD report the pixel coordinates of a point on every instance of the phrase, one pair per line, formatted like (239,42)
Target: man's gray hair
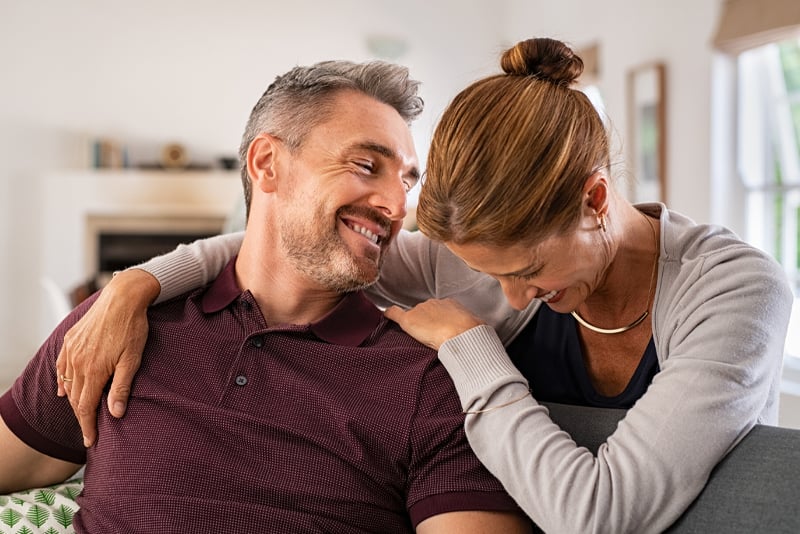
(299,100)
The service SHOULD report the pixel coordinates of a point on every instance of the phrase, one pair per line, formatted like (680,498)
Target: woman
(644,309)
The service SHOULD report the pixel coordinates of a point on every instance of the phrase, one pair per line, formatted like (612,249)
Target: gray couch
(755,489)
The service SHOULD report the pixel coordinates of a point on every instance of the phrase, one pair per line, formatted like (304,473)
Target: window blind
(745,24)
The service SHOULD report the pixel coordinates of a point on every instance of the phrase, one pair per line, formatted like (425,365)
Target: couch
(755,489)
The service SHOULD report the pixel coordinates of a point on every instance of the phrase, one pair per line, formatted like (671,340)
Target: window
(768,162)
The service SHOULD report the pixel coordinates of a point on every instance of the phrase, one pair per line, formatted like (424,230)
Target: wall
(633,33)
(151,72)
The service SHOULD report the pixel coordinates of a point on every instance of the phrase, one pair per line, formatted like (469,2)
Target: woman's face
(562,270)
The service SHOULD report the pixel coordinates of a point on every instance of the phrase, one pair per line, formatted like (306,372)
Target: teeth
(545,298)
(366,233)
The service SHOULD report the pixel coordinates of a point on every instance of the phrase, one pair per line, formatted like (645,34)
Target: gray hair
(299,100)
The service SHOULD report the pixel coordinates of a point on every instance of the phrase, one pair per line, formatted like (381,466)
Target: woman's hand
(108,340)
(434,321)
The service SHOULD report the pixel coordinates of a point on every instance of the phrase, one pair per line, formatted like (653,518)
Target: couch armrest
(755,488)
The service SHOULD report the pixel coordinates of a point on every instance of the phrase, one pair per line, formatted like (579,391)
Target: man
(278,398)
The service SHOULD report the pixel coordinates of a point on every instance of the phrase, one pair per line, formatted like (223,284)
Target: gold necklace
(643,316)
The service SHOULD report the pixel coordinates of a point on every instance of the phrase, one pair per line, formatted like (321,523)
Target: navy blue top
(548,353)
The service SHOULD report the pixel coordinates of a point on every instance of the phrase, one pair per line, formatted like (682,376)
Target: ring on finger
(64,378)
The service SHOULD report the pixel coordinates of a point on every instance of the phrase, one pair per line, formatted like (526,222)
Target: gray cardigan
(719,323)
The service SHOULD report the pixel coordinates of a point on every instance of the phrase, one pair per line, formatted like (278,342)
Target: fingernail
(119,408)
(86,442)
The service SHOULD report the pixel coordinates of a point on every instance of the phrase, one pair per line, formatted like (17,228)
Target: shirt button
(241,380)
(257,342)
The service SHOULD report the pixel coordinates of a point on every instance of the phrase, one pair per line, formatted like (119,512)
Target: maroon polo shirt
(234,425)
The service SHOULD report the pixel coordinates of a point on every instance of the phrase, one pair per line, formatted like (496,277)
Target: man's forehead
(358,121)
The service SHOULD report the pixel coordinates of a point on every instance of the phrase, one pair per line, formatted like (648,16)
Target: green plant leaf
(17,500)
(45,496)
(10,517)
(37,515)
(63,515)
(71,492)
(51,530)
(25,530)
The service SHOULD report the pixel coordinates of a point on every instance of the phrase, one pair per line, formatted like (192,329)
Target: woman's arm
(417,269)
(114,331)
(723,338)
(109,339)
(191,266)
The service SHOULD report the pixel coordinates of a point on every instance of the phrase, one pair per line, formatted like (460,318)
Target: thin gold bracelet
(509,403)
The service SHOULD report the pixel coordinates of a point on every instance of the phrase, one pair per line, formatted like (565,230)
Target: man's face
(347,193)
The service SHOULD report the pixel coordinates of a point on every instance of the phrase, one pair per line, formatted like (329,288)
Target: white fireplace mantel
(72,199)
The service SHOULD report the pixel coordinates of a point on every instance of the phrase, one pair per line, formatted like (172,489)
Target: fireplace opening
(120,251)
(118,242)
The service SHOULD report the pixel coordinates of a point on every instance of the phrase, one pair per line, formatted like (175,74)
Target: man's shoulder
(390,333)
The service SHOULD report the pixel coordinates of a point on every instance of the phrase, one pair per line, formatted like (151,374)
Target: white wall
(632,33)
(152,71)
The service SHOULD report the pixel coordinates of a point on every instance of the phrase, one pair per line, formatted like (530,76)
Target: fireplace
(115,242)
(97,222)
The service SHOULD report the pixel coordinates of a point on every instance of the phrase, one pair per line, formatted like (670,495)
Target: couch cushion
(755,488)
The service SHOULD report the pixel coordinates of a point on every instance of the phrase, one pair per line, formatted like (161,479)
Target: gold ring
(64,378)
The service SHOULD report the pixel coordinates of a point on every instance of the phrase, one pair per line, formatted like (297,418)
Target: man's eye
(365,165)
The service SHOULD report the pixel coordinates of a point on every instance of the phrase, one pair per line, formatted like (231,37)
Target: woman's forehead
(498,260)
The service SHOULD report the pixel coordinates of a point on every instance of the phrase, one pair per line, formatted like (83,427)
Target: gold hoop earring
(601,222)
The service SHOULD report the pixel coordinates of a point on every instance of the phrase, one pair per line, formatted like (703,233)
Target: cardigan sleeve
(415,269)
(719,327)
(192,265)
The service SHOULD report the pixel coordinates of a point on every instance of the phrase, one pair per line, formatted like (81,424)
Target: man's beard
(317,250)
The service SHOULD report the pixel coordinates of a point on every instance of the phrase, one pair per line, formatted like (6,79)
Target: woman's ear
(262,162)
(596,193)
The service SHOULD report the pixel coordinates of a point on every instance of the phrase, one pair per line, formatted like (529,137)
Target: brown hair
(300,99)
(510,156)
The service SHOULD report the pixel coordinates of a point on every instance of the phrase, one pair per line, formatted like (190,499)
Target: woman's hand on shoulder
(108,340)
(434,321)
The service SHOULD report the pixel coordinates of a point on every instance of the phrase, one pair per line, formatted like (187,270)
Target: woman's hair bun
(543,58)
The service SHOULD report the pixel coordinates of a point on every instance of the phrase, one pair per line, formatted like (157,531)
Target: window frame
(752,137)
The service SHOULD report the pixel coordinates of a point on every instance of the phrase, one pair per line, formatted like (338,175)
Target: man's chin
(368,271)
(361,274)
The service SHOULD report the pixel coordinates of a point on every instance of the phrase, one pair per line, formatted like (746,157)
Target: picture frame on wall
(647,137)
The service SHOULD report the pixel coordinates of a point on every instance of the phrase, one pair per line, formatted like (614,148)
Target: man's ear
(262,161)
(595,192)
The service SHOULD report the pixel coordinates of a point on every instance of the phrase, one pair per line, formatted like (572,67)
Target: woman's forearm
(192,265)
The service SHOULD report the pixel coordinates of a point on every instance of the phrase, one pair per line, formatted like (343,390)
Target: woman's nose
(518,294)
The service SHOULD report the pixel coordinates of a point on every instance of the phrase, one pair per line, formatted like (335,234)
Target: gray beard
(326,258)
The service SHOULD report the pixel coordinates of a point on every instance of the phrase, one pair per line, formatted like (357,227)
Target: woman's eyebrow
(525,271)
(530,270)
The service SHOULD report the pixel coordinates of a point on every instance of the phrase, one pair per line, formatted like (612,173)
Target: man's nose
(390,198)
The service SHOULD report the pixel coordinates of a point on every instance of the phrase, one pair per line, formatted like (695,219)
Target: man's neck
(283,295)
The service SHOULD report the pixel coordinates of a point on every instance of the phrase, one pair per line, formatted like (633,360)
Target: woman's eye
(529,276)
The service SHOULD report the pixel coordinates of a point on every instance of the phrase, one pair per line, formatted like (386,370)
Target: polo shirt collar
(349,324)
